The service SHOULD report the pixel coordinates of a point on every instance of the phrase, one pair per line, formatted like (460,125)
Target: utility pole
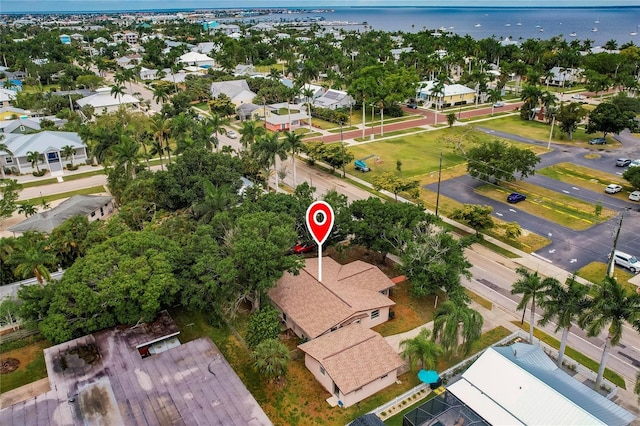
(344,173)
(553,121)
(612,262)
(439,176)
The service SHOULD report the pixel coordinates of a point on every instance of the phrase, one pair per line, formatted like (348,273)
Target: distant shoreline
(314,9)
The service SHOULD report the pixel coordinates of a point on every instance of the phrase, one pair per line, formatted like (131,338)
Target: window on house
(322,370)
(375,314)
(93,214)
(384,377)
(8,160)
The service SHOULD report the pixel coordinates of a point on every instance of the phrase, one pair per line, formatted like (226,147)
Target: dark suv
(598,141)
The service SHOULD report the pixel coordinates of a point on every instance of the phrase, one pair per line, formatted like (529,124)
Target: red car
(302,248)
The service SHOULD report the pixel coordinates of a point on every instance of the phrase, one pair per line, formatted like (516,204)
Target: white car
(613,188)
(231,134)
(498,104)
(578,97)
(634,196)
(635,163)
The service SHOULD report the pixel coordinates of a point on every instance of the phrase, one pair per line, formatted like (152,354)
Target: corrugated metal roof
(522,381)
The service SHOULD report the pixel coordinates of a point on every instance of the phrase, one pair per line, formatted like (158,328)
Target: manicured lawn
(410,312)
(596,271)
(550,205)
(587,178)
(84,191)
(540,131)
(587,362)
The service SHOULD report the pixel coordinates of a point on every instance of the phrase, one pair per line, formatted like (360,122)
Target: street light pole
(553,121)
(613,250)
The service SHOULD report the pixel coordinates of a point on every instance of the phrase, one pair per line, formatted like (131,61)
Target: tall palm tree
(217,123)
(293,144)
(611,306)
(271,358)
(531,286)
(421,348)
(563,304)
(117,90)
(5,148)
(160,93)
(266,149)
(68,152)
(160,129)
(454,319)
(249,132)
(34,158)
(32,258)
(126,154)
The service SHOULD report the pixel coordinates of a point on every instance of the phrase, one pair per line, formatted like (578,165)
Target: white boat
(477,25)
(519,22)
(634,32)
(597,21)
(442,29)
(573,34)
(594,30)
(541,29)
(507,25)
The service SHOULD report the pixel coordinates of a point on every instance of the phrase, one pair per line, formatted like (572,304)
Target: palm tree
(34,158)
(531,286)
(27,209)
(117,90)
(531,97)
(421,348)
(249,131)
(563,304)
(215,200)
(495,95)
(271,358)
(293,144)
(68,152)
(160,93)
(126,154)
(217,122)
(160,129)
(266,149)
(32,258)
(5,148)
(611,305)
(448,320)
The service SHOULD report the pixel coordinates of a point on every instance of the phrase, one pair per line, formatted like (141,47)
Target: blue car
(516,197)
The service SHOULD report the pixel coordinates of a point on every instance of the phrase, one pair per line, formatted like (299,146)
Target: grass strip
(597,271)
(48,198)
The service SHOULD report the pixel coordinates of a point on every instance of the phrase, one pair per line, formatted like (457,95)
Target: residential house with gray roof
(49,144)
(237,90)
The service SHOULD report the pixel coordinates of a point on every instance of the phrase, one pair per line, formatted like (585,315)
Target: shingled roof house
(336,316)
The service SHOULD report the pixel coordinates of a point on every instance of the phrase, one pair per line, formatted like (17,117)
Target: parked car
(623,162)
(578,96)
(634,196)
(302,248)
(626,261)
(613,188)
(231,134)
(498,104)
(516,197)
(635,163)
(597,141)
(412,105)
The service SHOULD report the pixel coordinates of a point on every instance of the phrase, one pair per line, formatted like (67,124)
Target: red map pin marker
(320,221)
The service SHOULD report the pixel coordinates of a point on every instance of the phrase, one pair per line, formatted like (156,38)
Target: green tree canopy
(497,160)
(608,118)
(263,325)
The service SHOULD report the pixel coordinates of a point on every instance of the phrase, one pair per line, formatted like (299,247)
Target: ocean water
(616,23)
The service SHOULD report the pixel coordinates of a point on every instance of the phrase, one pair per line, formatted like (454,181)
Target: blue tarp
(428,376)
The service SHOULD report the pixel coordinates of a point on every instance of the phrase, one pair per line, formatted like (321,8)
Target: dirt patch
(26,354)
(8,365)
